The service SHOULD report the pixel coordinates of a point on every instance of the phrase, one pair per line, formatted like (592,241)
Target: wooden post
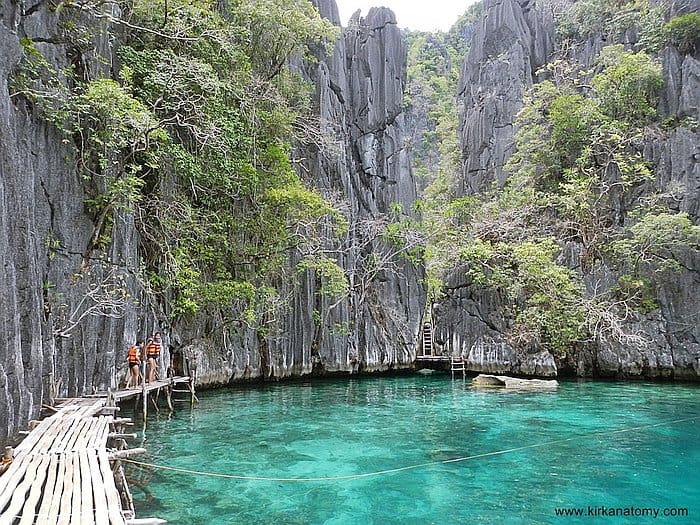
(144,394)
(193,377)
(125,453)
(7,458)
(169,395)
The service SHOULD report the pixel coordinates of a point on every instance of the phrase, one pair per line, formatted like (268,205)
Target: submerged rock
(485,380)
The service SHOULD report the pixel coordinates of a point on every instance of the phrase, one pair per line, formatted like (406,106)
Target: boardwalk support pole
(144,395)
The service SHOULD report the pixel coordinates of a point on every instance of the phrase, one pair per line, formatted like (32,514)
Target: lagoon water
(595,444)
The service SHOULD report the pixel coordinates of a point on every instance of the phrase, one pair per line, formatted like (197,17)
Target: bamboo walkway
(61,471)
(65,471)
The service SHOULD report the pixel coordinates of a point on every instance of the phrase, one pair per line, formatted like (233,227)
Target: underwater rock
(486,380)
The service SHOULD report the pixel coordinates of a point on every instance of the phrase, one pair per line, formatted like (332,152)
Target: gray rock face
(44,232)
(510,44)
(468,322)
(515,38)
(360,103)
(484,380)
(361,164)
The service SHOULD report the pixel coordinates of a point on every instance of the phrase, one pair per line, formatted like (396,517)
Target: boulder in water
(486,380)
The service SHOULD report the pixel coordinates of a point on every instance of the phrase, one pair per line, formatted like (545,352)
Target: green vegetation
(629,86)
(434,62)
(195,138)
(578,158)
(610,19)
(684,32)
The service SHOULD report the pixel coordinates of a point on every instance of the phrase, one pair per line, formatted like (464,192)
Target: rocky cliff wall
(362,165)
(514,40)
(53,344)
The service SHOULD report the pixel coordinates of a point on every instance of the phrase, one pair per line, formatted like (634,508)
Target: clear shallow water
(327,429)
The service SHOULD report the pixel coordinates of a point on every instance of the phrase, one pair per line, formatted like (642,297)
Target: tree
(628,87)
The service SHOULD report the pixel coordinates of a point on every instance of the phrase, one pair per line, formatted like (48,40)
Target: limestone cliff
(52,344)
(514,40)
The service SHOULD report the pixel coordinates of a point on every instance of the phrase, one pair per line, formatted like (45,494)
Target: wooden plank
(29,511)
(69,443)
(64,509)
(98,489)
(18,497)
(67,435)
(85,411)
(43,513)
(88,515)
(76,507)
(51,514)
(114,505)
(57,445)
(52,436)
(81,440)
(95,440)
(91,437)
(11,478)
(102,433)
(95,407)
(36,434)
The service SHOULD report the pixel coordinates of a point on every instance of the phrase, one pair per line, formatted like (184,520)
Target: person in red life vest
(134,359)
(153,355)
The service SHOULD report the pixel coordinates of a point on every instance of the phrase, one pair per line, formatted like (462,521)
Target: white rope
(401,469)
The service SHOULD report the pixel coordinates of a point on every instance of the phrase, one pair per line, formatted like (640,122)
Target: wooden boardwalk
(65,470)
(121,395)
(61,472)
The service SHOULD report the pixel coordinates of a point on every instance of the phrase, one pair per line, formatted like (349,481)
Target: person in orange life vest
(153,355)
(134,359)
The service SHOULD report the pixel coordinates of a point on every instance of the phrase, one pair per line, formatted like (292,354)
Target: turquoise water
(347,427)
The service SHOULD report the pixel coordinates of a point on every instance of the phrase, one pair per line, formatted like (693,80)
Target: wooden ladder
(188,389)
(457,364)
(427,339)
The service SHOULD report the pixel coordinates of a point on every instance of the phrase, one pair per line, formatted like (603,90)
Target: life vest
(153,349)
(134,356)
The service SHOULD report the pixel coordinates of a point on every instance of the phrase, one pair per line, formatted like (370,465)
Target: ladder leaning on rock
(427,339)
(457,364)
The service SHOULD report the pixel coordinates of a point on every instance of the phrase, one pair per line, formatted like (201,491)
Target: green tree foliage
(657,243)
(578,155)
(607,18)
(684,32)
(545,297)
(223,92)
(628,88)
(434,61)
(195,136)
